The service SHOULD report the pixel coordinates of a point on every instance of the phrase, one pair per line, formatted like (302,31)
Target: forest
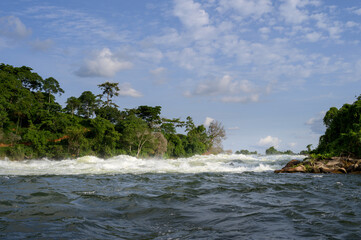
(343,131)
(33,125)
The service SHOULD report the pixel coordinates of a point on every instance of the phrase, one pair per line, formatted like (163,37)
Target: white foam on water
(124,164)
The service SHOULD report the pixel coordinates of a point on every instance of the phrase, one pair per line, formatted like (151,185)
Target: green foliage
(104,137)
(110,90)
(110,113)
(343,131)
(273,151)
(245,152)
(88,104)
(34,125)
(320,156)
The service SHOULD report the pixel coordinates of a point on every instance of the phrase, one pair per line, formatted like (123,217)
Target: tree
(72,105)
(343,131)
(189,124)
(159,144)
(110,113)
(135,134)
(88,104)
(51,86)
(29,80)
(150,114)
(197,141)
(76,140)
(104,137)
(216,134)
(272,151)
(110,90)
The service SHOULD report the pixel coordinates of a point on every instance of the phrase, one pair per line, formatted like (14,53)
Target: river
(203,197)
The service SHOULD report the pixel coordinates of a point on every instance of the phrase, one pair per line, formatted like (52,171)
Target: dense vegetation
(34,125)
(343,131)
(246,152)
(273,151)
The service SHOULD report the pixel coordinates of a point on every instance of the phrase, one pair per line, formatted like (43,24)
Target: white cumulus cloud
(191,13)
(102,63)
(269,141)
(247,8)
(294,11)
(126,90)
(13,27)
(208,121)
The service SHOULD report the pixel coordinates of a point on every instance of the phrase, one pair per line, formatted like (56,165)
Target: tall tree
(216,134)
(150,114)
(72,105)
(51,86)
(110,90)
(88,104)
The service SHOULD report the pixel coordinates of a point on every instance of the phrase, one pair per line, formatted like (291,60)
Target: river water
(203,197)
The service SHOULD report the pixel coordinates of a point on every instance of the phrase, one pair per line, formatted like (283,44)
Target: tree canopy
(34,125)
(343,131)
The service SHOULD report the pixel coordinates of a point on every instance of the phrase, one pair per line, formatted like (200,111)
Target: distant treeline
(34,125)
(270,151)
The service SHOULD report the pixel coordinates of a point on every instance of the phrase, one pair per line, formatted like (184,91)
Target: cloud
(12,27)
(357,11)
(44,45)
(194,18)
(233,128)
(224,85)
(151,55)
(247,8)
(126,90)
(102,63)
(76,25)
(292,144)
(227,89)
(190,59)
(334,28)
(246,99)
(294,12)
(269,141)
(208,121)
(316,123)
(313,37)
(160,75)
(191,14)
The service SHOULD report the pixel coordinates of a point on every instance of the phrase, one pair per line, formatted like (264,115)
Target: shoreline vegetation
(33,125)
(339,149)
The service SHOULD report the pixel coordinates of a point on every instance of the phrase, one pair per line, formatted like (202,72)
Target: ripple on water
(247,205)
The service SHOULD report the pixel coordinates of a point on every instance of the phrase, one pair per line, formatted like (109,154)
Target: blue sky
(268,70)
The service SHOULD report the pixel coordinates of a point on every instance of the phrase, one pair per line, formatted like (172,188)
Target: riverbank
(342,165)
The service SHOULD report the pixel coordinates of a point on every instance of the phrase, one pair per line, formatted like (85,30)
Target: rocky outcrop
(331,165)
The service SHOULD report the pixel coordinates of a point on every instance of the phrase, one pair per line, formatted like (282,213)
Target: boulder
(292,163)
(341,170)
(325,170)
(300,168)
(335,163)
(332,165)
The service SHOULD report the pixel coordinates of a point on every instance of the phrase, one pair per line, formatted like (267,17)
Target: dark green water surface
(181,206)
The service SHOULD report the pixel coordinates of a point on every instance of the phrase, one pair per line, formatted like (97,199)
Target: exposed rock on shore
(331,165)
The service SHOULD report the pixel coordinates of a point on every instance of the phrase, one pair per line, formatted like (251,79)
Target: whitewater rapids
(123,164)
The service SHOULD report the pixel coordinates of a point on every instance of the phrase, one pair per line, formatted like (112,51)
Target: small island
(339,149)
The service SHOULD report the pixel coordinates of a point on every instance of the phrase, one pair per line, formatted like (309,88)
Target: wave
(123,164)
